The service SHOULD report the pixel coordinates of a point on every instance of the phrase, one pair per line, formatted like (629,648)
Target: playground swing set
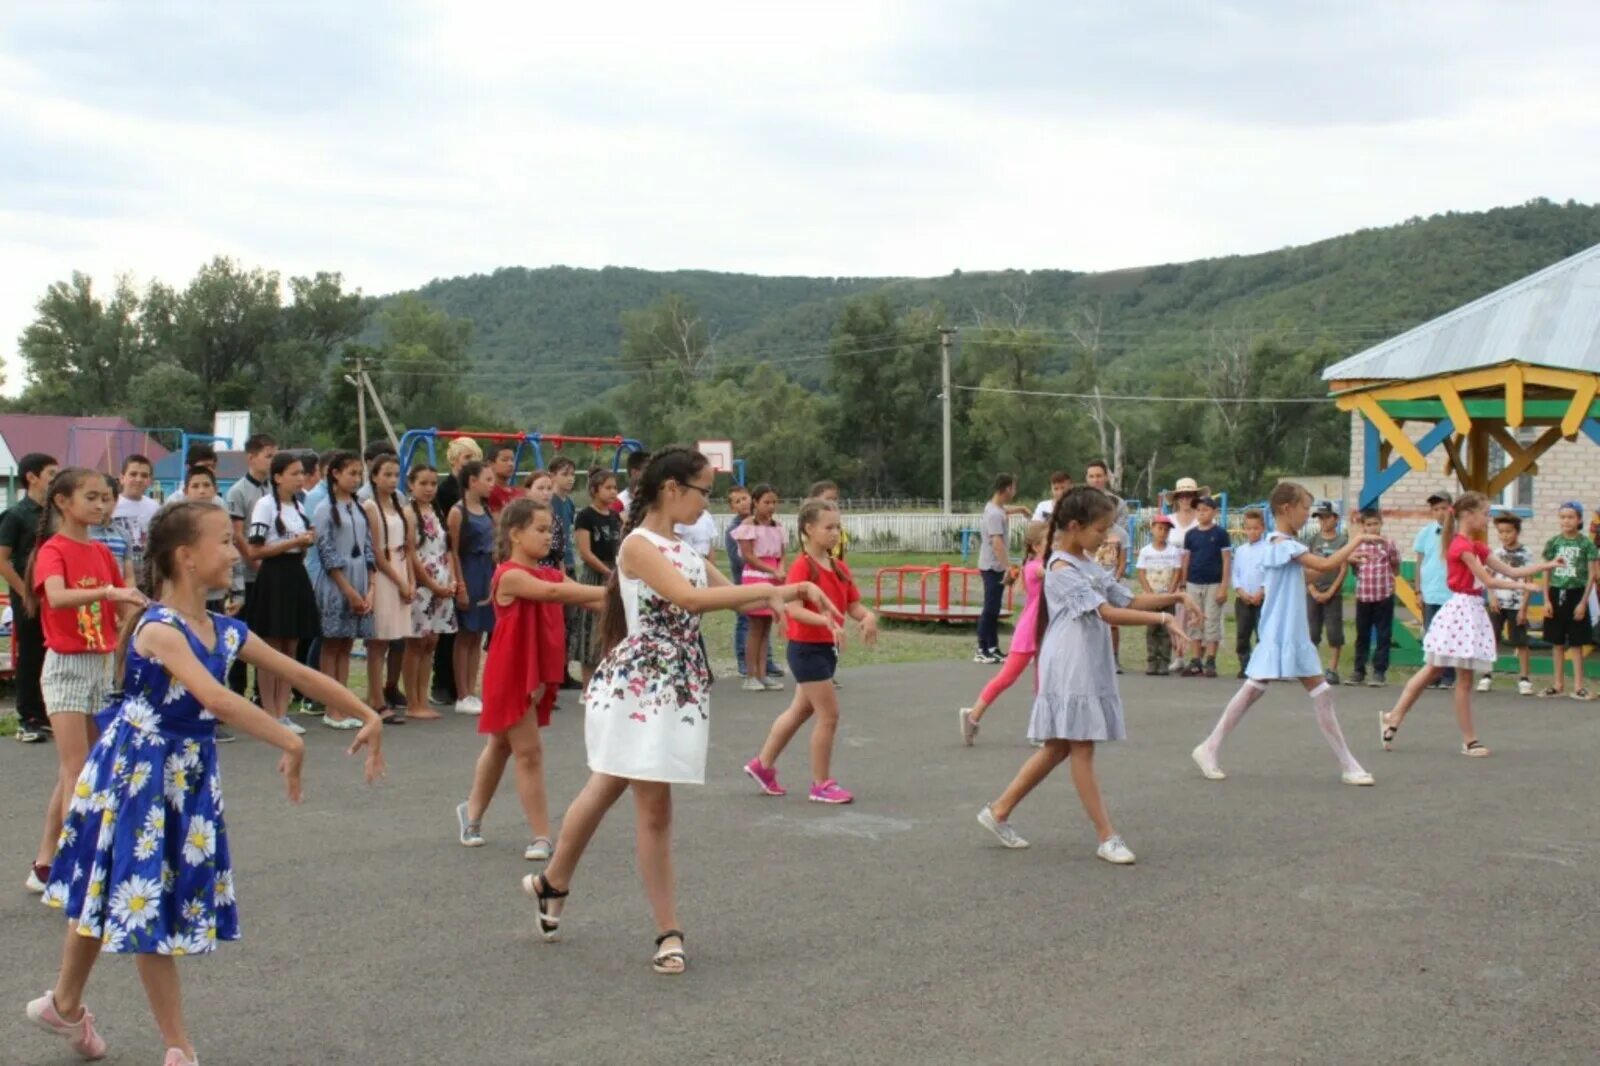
(531,443)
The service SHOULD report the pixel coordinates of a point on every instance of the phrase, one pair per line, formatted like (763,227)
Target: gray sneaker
(1008,836)
(470,833)
(969,728)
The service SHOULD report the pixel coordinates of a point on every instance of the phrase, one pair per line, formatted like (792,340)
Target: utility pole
(946,337)
(357,379)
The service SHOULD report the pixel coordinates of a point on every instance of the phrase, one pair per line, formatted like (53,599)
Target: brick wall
(1570,470)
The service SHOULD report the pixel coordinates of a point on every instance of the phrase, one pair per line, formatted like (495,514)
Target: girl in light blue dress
(142,866)
(1284,648)
(1078,703)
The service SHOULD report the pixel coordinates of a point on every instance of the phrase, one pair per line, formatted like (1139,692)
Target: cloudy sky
(397,142)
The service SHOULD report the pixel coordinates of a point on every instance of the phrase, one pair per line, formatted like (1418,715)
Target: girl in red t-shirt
(82,597)
(526,664)
(1461,635)
(813,656)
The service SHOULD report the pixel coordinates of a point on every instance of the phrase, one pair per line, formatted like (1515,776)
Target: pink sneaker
(767,779)
(829,792)
(81,1035)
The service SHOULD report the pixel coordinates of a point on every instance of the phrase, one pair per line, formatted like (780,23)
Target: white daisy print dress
(142,864)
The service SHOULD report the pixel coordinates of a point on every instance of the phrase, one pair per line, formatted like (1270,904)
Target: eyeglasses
(705,492)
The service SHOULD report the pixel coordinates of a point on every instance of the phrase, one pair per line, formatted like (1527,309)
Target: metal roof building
(1549,319)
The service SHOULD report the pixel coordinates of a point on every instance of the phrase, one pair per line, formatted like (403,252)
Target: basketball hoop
(719,453)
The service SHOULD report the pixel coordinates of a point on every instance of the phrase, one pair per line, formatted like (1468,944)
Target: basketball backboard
(719,452)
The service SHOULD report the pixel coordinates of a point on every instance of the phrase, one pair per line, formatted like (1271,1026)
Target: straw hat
(1188,484)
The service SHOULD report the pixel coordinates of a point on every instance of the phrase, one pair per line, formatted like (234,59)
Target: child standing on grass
(344,589)
(526,664)
(1461,636)
(1160,563)
(143,865)
(1078,704)
(1566,599)
(1207,567)
(1024,646)
(814,656)
(648,713)
(762,543)
(1508,608)
(1325,591)
(80,590)
(472,542)
(1376,563)
(1249,585)
(1285,649)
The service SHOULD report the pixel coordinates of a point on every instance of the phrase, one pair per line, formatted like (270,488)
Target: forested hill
(547,340)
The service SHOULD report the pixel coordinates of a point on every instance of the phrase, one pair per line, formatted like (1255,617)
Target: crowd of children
(306,556)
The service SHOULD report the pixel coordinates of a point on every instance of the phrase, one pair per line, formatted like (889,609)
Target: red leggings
(1015,663)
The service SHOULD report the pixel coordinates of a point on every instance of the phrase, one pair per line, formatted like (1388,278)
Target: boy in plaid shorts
(1376,566)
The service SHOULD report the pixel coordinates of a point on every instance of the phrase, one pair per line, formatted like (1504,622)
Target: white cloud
(861,138)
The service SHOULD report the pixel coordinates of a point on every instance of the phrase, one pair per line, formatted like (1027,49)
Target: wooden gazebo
(1524,355)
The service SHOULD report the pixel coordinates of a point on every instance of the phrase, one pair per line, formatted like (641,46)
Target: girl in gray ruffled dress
(1078,703)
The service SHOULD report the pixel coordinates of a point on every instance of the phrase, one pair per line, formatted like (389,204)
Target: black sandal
(1387,731)
(541,890)
(669,960)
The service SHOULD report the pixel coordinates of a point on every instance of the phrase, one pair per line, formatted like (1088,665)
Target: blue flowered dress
(649,710)
(142,863)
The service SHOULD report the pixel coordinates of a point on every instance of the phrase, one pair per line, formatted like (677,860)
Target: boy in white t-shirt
(134,510)
(1060,482)
(1159,564)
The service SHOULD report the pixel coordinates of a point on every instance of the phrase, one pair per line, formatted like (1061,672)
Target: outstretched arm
(1489,580)
(517,585)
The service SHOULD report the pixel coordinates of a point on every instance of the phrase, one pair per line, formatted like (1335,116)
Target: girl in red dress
(526,664)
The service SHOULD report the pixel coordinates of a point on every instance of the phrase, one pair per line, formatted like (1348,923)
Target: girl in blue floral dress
(142,866)
(648,707)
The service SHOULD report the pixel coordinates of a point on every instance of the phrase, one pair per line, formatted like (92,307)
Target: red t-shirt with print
(836,584)
(92,626)
(1457,576)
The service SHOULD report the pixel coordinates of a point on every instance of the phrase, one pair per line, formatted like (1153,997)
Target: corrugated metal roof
(99,442)
(1551,318)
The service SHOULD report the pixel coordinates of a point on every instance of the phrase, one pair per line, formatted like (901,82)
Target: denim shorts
(810,661)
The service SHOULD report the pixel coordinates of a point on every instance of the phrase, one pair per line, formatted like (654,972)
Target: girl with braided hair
(284,605)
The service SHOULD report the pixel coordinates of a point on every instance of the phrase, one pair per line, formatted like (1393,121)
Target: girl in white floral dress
(648,713)
(142,866)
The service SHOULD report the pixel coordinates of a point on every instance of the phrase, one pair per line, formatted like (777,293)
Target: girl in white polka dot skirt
(1461,635)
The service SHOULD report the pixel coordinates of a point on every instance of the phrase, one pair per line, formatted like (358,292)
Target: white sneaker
(969,728)
(1208,765)
(1008,836)
(750,684)
(1485,683)
(772,684)
(469,833)
(340,723)
(1114,850)
(1524,687)
(33,884)
(292,726)
(469,705)
(538,851)
(1357,777)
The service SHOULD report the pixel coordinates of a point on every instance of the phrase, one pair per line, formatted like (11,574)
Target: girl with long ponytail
(648,711)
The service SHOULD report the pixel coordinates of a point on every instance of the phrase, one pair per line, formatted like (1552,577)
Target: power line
(1142,399)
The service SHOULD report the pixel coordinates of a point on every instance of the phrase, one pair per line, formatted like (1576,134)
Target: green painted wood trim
(1433,410)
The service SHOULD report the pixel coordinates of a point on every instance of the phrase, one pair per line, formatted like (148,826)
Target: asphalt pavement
(1446,915)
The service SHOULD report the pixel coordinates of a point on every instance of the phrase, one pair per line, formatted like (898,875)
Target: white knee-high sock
(1248,693)
(1328,722)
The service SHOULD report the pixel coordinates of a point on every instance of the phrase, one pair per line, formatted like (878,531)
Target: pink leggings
(1016,662)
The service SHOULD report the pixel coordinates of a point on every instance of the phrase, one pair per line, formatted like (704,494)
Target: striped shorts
(76,682)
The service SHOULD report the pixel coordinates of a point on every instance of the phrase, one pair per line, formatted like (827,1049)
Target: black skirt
(282,603)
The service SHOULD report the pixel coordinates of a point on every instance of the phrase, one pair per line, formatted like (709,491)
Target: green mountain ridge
(546,340)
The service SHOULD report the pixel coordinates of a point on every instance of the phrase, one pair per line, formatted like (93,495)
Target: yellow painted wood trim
(1367,404)
(1566,380)
(1514,379)
(1407,596)
(1582,400)
(1453,405)
(1525,462)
